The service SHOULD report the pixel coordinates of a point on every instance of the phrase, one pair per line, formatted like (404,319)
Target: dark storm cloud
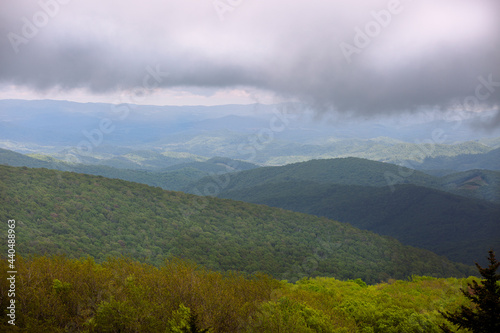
(362,57)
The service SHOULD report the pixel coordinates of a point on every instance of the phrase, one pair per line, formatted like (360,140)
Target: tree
(184,321)
(484,314)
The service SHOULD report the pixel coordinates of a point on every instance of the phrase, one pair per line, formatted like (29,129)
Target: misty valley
(236,166)
(192,219)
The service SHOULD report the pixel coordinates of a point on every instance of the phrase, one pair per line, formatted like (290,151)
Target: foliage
(484,314)
(57,294)
(78,215)
(457,227)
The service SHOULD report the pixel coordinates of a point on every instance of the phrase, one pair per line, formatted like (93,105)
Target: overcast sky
(358,56)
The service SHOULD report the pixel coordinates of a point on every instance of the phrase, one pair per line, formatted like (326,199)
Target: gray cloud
(424,54)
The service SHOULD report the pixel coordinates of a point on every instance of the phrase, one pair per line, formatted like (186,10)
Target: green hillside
(79,215)
(182,176)
(378,149)
(126,158)
(215,165)
(9,157)
(346,171)
(457,227)
(174,177)
(480,184)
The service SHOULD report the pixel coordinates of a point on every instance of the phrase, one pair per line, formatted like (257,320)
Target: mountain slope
(9,157)
(479,184)
(355,171)
(346,171)
(215,165)
(488,160)
(61,212)
(171,178)
(457,227)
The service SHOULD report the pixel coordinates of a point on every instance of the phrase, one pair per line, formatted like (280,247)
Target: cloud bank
(362,57)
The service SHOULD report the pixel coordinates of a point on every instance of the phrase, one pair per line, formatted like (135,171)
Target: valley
(297,212)
(234,166)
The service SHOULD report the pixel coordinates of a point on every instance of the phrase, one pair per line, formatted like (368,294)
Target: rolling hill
(447,224)
(480,184)
(174,177)
(357,191)
(233,131)
(80,215)
(345,171)
(488,160)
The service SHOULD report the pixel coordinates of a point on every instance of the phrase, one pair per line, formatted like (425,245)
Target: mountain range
(96,133)
(406,204)
(427,183)
(79,215)
(455,215)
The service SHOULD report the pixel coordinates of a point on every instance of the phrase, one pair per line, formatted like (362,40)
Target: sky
(359,57)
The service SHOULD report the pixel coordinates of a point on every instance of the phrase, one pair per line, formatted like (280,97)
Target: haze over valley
(238,166)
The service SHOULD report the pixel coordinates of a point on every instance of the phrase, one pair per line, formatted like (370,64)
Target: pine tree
(484,314)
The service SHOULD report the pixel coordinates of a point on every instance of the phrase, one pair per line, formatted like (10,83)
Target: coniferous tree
(484,315)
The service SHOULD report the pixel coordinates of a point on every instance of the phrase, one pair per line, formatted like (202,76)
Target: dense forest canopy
(79,215)
(57,294)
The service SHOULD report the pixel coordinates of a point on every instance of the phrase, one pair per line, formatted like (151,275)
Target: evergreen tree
(484,314)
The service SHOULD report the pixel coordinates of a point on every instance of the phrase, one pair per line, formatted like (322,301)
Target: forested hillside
(80,215)
(231,166)
(457,227)
(346,171)
(479,184)
(166,175)
(403,203)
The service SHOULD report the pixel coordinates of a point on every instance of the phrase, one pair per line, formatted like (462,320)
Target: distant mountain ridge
(347,171)
(172,172)
(416,210)
(174,177)
(489,160)
(261,134)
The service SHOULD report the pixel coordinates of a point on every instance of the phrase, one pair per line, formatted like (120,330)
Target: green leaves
(120,295)
(484,315)
(61,288)
(180,321)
